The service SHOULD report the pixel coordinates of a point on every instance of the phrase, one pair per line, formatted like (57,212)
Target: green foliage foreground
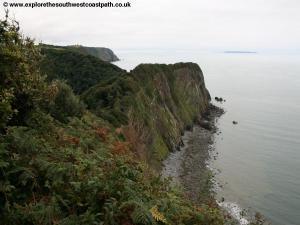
(61,164)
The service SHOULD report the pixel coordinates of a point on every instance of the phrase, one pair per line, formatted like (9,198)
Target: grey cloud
(182,24)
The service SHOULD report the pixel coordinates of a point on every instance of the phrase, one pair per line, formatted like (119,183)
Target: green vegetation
(156,101)
(65,104)
(104,54)
(79,70)
(63,164)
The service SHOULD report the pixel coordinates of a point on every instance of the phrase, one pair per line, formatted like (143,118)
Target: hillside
(104,54)
(152,105)
(88,159)
(175,95)
(81,71)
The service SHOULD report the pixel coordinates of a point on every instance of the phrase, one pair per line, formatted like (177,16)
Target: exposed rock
(181,143)
(205,124)
(173,94)
(220,99)
(153,104)
(188,166)
(206,115)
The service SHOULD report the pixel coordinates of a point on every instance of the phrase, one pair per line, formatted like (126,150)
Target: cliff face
(104,54)
(170,99)
(152,105)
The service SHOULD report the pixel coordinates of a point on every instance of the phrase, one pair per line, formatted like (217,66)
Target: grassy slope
(152,104)
(81,71)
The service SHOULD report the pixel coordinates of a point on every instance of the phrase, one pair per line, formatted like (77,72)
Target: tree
(66,103)
(21,85)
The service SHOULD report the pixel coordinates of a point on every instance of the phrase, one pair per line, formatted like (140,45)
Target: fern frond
(159,217)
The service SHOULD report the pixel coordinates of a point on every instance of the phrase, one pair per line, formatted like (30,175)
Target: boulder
(205,124)
(219,99)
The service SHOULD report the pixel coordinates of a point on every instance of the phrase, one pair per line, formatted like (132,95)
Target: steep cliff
(104,54)
(152,105)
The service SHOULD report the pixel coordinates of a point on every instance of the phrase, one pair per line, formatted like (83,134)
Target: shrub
(65,103)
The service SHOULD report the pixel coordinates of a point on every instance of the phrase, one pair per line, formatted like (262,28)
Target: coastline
(189,167)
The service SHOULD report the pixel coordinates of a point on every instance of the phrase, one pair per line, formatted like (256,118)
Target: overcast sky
(175,24)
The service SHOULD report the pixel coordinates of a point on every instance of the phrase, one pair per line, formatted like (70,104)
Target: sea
(258,159)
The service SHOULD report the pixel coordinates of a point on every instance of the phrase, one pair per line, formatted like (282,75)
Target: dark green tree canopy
(22,86)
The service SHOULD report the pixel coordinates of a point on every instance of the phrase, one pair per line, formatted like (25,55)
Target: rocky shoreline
(188,166)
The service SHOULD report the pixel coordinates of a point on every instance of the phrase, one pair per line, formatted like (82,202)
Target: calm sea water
(259,158)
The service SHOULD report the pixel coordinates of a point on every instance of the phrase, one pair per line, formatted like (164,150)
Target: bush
(22,86)
(65,103)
